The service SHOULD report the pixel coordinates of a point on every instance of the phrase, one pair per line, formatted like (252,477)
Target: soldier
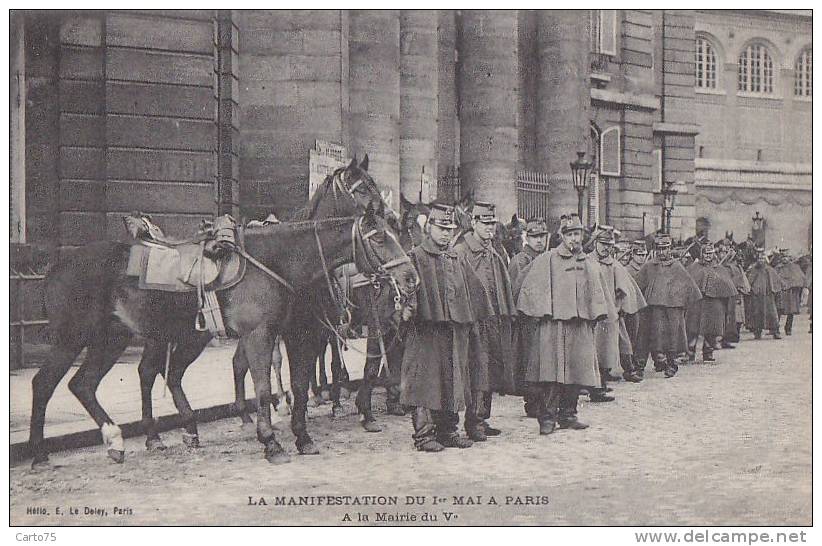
(435,376)
(706,316)
(737,313)
(760,305)
(493,370)
(564,291)
(536,239)
(668,290)
(793,282)
(613,342)
(638,255)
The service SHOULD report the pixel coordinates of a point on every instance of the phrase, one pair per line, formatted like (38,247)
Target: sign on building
(323,160)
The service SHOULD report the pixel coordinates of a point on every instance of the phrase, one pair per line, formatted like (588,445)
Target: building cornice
(647,102)
(676,128)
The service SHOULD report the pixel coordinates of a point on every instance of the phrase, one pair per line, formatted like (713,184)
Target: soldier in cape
(638,256)
(612,341)
(435,369)
(669,291)
(536,240)
(494,368)
(736,308)
(706,316)
(793,283)
(760,304)
(564,292)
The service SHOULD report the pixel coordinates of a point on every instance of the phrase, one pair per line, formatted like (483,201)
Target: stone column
(447,129)
(489,106)
(563,100)
(418,99)
(374,94)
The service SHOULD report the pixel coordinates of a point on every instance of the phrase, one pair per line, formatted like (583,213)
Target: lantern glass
(579,171)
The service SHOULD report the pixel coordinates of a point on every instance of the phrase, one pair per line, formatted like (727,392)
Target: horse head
(382,254)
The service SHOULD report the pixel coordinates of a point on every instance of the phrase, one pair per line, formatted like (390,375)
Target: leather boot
(485,414)
(547,422)
(424,431)
(567,417)
(671,365)
(599,395)
(789,325)
(473,422)
(708,351)
(446,425)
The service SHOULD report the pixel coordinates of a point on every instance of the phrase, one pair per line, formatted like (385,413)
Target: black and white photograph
(412,267)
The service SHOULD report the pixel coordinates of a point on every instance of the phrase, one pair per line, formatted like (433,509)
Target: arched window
(705,64)
(803,74)
(755,69)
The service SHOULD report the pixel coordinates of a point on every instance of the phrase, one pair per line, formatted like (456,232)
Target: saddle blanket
(179,269)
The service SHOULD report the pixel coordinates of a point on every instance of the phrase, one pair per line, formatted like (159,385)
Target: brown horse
(92,304)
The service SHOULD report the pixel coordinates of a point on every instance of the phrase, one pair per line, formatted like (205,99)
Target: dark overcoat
(760,304)
(611,335)
(708,315)
(793,281)
(442,337)
(494,368)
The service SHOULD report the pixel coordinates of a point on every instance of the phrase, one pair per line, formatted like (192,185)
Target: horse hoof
(155,444)
(191,440)
(308,449)
(275,454)
(41,466)
(117,456)
(325,395)
(371,426)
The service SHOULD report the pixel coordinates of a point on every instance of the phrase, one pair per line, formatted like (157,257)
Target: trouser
(789,324)
(558,401)
(478,409)
(708,343)
(432,424)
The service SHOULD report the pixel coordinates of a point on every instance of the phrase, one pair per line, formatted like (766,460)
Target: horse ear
(352,165)
(364,163)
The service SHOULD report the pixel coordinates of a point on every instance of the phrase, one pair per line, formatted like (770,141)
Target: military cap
(606,235)
(442,216)
(662,240)
(572,224)
(484,212)
(536,227)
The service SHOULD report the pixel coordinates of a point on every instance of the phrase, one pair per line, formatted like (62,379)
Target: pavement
(726,443)
(208,382)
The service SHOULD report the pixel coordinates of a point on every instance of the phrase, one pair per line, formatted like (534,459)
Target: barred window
(755,70)
(803,75)
(705,57)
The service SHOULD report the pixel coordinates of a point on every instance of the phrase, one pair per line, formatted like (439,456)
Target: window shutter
(610,152)
(656,175)
(607,31)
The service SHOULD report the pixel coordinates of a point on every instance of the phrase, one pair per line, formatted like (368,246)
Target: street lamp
(758,221)
(668,201)
(579,174)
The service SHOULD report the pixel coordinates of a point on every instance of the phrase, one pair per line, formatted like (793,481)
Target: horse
(512,238)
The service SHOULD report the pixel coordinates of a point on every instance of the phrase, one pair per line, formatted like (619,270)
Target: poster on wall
(323,160)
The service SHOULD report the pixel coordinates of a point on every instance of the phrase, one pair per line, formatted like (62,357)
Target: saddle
(205,263)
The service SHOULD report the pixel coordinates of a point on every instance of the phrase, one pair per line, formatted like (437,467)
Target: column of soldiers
(558,321)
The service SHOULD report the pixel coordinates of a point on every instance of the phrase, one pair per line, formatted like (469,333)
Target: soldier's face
(573,240)
(664,252)
(708,257)
(760,258)
(603,249)
(440,235)
(484,230)
(538,242)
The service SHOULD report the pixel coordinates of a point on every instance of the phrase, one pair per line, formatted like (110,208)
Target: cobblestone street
(724,443)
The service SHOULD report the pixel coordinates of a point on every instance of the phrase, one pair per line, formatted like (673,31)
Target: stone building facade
(186,113)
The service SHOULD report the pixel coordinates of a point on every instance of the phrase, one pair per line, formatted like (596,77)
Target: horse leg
(239,364)
(61,357)
(283,398)
(181,358)
(369,375)
(324,388)
(336,378)
(258,346)
(302,354)
(101,357)
(152,361)
(316,390)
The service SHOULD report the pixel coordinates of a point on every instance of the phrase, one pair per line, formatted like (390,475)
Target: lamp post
(579,174)
(758,231)
(668,201)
